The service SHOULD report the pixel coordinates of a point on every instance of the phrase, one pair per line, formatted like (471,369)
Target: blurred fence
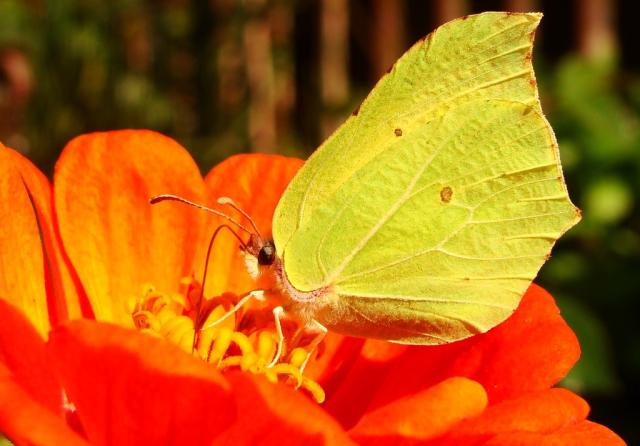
(225,76)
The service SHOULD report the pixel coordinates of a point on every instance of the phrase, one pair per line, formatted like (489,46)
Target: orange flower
(100,309)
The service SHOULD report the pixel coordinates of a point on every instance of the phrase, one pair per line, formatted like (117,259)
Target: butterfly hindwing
(430,211)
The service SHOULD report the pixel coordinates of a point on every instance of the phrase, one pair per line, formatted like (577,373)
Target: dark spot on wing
(356,111)
(445,194)
(398,132)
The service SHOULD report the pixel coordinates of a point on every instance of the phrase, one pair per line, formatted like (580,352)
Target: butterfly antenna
(169,197)
(228,201)
(199,319)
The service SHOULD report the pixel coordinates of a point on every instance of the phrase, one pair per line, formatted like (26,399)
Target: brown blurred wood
(16,87)
(230,77)
(388,34)
(596,28)
(259,66)
(258,50)
(522,5)
(334,62)
(446,10)
(136,36)
(281,18)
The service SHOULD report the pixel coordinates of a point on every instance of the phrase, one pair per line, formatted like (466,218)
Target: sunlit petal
(116,240)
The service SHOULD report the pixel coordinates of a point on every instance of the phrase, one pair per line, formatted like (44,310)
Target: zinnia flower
(102,301)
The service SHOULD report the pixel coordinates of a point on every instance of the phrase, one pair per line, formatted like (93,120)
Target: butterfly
(424,218)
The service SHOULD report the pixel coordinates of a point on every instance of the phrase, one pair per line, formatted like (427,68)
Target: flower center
(244,340)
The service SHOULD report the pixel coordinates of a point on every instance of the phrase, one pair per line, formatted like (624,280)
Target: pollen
(245,340)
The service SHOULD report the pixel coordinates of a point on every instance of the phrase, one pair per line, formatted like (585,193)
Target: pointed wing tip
(578,216)
(573,221)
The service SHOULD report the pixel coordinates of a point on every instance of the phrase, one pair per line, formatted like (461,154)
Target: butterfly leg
(278,312)
(255,294)
(320,332)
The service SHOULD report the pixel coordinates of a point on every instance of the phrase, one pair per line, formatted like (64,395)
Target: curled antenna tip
(162,197)
(224,200)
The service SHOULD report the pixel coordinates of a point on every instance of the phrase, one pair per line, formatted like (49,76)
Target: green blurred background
(226,76)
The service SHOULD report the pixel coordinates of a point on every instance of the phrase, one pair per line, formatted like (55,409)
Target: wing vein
(436,300)
(445,240)
(418,191)
(394,207)
(525,217)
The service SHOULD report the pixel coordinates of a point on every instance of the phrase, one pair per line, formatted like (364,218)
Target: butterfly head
(259,253)
(267,253)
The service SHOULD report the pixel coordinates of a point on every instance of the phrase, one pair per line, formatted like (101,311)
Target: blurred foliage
(595,111)
(125,64)
(179,67)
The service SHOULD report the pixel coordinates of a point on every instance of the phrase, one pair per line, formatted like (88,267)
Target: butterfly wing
(433,207)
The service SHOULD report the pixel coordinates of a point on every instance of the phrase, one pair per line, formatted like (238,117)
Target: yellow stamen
(227,342)
(314,389)
(298,357)
(287,370)
(220,345)
(230,361)
(267,344)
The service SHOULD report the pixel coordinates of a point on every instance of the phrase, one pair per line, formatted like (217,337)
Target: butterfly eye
(267,253)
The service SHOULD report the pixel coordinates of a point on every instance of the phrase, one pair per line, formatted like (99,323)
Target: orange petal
(22,353)
(544,411)
(530,351)
(115,239)
(255,183)
(349,400)
(553,416)
(335,355)
(585,433)
(66,299)
(22,263)
(25,421)
(423,415)
(131,388)
(274,414)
